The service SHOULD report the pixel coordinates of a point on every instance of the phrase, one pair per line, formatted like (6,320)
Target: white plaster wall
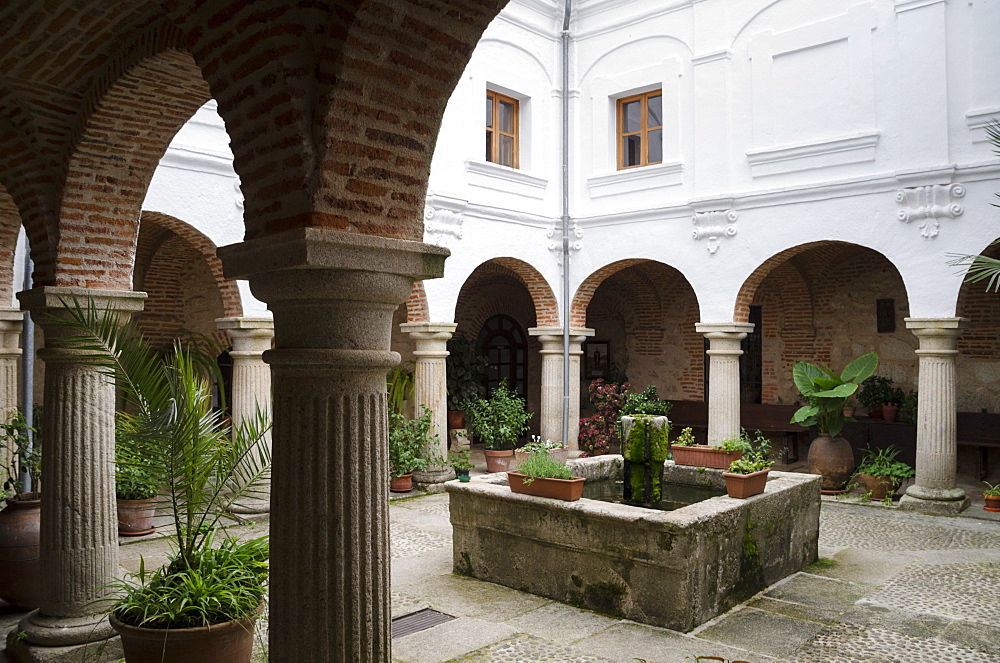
(803,120)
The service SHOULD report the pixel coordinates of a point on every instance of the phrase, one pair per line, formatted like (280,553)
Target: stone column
(11,321)
(79,526)
(333,295)
(431,387)
(550,418)
(251,337)
(724,377)
(934,488)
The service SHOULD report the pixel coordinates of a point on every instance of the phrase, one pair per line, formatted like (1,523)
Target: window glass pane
(632,150)
(631,118)
(655,112)
(506,149)
(655,146)
(489,146)
(506,120)
(489,110)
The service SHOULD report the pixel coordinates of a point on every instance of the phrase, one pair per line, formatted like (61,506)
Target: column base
(937,501)
(432,481)
(41,639)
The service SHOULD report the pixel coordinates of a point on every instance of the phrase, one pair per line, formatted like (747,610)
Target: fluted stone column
(724,377)
(934,488)
(431,388)
(251,337)
(333,295)
(550,420)
(11,321)
(79,532)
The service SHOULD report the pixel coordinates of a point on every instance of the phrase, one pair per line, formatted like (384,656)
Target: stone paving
(890,586)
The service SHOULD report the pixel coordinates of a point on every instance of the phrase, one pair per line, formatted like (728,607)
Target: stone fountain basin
(675,569)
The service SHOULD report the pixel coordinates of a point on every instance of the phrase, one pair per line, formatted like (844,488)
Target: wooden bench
(980,430)
(766,418)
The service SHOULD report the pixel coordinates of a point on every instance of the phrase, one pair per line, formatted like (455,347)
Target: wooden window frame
(643,131)
(493,99)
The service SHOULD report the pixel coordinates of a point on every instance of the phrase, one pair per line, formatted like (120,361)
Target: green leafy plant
(737,443)
(460,460)
(409,443)
(500,419)
(756,453)
(908,408)
(537,444)
(207,465)
(992,489)
(685,439)
(399,388)
(465,372)
(23,453)
(875,391)
(135,477)
(647,401)
(541,465)
(827,392)
(883,463)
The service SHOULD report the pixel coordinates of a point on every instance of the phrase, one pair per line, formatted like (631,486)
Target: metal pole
(565,219)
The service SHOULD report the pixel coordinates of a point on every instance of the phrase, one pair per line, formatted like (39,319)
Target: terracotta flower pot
(875,412)
(833,459)
(742,486)
(498,461)
(135,517)
(849,411)
(456,419)
(890,412)
(879,487)
(992,503)
(569,490)
(704,456)
(229,642)
(401,484)
(20,560)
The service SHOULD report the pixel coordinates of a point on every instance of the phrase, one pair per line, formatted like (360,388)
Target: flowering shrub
(599,433)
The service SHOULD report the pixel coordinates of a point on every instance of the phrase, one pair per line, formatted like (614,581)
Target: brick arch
(980,341)
(826,252)
(494,288)
(334,107)
(416,306)
(546,311)
(10,223)
(231,302)
(585,292)
(119,147)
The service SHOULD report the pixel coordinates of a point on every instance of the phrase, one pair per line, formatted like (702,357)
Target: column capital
(250,336)
(443,330)
(552,338)
(724,329)
(245,324)
(937,336)
(46,302)
(11,325)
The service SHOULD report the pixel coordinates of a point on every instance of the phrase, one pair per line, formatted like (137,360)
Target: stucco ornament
(575,235)
(929,204)
(713,225)
(442,226)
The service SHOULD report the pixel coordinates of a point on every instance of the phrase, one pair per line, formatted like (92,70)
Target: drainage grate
(418,621)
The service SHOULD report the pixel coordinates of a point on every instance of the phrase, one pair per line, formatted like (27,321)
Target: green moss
(666,541)
(822,563)
(751,578)
(646,441)
(464,567)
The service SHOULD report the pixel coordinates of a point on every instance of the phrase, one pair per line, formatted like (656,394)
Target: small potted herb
(544,476)
(880,473)
(461,462)
(992,497)
(408,439)
(747,476)
(498,421)
(686,452)
(557,449)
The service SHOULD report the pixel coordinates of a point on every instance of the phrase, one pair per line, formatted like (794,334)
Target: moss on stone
(646,438)
(464,567)
(751,576)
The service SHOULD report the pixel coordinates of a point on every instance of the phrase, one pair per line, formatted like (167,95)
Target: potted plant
(20,558)
(544,476)
(850,407)
(408,441)
(876,390)
(557,449)
(599,433)
(881,474)
(830,455)
(498,421)
(204,603)
(686,452)
(136,485)
(461,462)
(465,371)
(992,497)
(399,388)
(747,476)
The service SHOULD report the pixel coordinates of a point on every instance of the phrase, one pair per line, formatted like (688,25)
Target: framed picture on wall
(596,359)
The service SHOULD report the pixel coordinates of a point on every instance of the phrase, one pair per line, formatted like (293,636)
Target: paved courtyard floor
(889,586)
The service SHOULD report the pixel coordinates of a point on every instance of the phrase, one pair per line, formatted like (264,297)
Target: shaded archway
(818,302)
(177,267)
(646,311)
(978,362)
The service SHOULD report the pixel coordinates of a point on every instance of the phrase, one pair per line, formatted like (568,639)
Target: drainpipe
(28,365)
(565,218)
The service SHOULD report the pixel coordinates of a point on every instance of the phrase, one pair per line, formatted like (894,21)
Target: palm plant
(205,464)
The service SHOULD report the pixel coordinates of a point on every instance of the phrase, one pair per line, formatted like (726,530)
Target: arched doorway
(504,344)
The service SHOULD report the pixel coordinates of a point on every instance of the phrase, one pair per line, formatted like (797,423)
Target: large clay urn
(20,560)
(833,459)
